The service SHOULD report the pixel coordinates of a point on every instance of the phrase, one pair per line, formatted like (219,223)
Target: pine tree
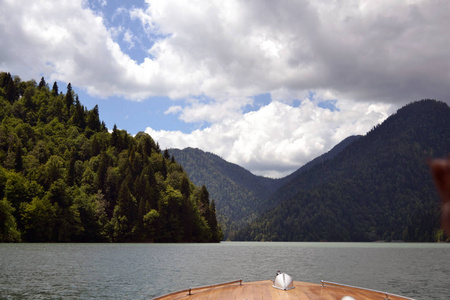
(71,170)
(101,171)
(103,127)
(78,117)
(69,98)
(93,121)
(114,136)
(124,213)
(166,154)
(42,83)
(55,89)
(216,232)
(187,212)
(7,82)
(204,196)
(185,190)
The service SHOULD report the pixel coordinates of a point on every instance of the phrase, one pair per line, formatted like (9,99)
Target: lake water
(144,271)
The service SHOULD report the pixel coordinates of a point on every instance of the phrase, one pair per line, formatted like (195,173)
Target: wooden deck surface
(264,290)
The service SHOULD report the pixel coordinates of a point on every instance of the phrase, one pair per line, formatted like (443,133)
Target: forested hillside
(237,192)
(65,178)
(377,188)
(240,196)
(322,158)
(272,200)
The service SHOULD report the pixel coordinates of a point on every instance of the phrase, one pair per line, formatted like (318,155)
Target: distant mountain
(324,157)
(236,191)
(377,188)
(272,200)
(240,196)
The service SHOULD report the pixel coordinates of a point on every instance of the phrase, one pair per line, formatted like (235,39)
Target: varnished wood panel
(263,290)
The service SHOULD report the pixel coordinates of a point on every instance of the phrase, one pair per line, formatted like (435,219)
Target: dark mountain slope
(236,191)
(379,187)
(240,195)
(288,182)
(322,158)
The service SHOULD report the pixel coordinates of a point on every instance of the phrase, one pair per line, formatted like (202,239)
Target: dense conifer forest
(241,196)
(65,178)
(238,192)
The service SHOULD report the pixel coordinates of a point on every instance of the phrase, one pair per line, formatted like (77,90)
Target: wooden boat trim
(206,290)
(189,290)
(361,288)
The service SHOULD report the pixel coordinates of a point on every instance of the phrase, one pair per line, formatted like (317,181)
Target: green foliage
(39,218)
(8,226)
(64,178)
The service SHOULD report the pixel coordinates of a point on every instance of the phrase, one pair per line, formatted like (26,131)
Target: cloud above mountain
(277,139)
(211,58)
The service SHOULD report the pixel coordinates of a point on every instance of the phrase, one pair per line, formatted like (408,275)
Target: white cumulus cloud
(362,50)
(215,56)
(278,138)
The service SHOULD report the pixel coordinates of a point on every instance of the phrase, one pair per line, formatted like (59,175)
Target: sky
(268,85)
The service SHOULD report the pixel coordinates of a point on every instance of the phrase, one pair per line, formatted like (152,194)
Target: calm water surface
(143,271)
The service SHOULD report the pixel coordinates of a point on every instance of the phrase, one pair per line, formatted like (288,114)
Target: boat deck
(264,290)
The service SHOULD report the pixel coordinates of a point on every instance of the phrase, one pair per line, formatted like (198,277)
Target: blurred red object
(440,169)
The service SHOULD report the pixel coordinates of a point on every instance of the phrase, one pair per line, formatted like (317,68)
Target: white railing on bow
(357,287)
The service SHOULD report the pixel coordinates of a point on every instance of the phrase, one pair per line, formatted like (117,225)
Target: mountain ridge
(219,175)
(228,184)
(377,188)
(390,159)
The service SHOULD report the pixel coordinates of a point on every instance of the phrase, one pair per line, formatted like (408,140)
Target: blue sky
(268,85)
